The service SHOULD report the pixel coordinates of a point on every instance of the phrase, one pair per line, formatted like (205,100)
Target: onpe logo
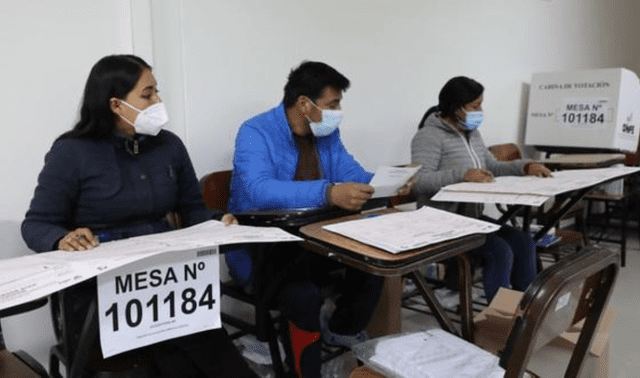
(627,127)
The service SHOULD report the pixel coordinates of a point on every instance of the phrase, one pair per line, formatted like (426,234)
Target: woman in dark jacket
(116,175)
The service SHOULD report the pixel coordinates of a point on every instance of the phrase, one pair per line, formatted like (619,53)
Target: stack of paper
(433,354)
(406,230)
(27,278)
(529,190)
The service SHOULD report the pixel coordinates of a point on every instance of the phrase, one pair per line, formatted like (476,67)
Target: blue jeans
(510,261)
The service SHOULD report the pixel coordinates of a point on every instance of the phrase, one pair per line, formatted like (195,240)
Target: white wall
(220,62)
(235,57)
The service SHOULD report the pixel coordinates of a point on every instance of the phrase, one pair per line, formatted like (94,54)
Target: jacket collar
(129,144)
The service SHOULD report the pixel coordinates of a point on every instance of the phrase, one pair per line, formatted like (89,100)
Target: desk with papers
(392,243)
(139,262)
(581,161)
(24,279)
(568,186)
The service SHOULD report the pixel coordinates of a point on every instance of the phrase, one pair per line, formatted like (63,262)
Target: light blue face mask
(330,121)
(472,121)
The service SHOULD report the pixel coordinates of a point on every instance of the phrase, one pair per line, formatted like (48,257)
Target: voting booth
(591,110)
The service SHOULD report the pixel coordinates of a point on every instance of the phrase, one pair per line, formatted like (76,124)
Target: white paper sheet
(27,278)
(526,186)
(484,197)
(406,230)
(435,354)
(387,180)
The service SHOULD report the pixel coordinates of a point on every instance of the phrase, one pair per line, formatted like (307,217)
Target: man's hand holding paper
(391,181)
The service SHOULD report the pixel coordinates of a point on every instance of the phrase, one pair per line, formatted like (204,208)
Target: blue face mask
(472,121)
(330,121)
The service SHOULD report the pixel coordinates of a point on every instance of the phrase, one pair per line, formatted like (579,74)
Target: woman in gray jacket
(450,149)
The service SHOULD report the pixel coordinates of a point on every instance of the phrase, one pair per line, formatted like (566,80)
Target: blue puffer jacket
(265,161)
(264,167)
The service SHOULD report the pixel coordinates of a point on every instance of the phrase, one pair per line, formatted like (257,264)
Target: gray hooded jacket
(446,155)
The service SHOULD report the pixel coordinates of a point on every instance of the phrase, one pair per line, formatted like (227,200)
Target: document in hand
(406,230)
(388,180)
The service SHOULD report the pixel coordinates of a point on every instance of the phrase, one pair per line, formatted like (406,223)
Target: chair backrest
(506,152)
(577,287)
(215,189)
(19,363)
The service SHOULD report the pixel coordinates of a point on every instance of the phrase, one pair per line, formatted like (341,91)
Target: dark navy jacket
(104,186)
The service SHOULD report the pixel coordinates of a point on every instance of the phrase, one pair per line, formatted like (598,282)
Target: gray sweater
(446,155)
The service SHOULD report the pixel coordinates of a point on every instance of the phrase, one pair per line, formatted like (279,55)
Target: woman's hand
(228,219)
(80,239)
(534,169)
(478,175)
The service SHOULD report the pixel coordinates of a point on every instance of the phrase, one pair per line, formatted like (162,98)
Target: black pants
(300,298)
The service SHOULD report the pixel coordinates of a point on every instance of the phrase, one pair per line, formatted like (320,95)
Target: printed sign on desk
(159,298)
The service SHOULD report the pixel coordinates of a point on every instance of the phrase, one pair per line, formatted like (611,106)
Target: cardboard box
(595,109)
(365,372)
(494,324)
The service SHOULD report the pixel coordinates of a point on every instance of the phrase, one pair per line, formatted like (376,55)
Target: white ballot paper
(486,197)
(406,230)
(27,278)
(159,298)
(434,354)
(388,180)
(529,190)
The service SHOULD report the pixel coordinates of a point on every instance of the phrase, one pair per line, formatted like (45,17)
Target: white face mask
(150,120)
(328,124)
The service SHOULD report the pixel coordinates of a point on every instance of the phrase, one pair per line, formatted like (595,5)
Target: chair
(76,352)
(215,192)
(577,287)
(19,363)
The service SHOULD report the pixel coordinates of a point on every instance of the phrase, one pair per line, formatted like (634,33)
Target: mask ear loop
(132,107)
(317,107)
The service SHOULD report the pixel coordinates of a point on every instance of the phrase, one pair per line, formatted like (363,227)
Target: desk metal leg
(433,302)
(464,286)
(625,218)
(526,219)
(88,336)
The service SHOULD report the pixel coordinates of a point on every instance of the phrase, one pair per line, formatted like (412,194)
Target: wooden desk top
(582,161)
(375,260)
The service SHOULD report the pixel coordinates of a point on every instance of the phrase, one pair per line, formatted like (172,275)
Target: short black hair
(309,79)
(455,94)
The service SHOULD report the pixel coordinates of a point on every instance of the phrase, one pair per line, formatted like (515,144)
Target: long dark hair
(455,94)
(111,76)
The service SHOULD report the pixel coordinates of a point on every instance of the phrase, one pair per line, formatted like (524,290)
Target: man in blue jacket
(292,156)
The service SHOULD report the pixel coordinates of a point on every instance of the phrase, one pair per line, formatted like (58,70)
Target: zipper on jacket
(476,160)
